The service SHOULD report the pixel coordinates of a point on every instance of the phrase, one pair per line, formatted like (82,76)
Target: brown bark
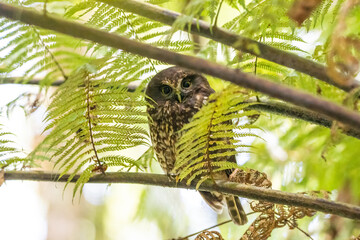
(248,191)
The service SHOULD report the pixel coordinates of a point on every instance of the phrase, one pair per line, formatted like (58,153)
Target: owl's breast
(165,123)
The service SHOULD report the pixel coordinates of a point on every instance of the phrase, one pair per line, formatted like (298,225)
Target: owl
(174,95)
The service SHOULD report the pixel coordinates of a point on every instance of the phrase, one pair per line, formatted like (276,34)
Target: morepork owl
(175,95)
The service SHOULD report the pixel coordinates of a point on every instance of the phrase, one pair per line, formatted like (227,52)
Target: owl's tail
(236,211)
(215,200)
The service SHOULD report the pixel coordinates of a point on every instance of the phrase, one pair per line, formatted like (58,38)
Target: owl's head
(178,85)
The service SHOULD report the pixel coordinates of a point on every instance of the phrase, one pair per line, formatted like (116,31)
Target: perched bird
(174,96)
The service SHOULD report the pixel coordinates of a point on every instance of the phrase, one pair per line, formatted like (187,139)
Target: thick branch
(275,107)
(265,106)
(300,113)
(242,190)
(236,41)
(332,110)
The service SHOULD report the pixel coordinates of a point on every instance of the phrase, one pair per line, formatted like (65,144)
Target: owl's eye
(186,83)
(166,90)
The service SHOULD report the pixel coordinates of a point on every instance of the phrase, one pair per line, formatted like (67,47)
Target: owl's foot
(172,177)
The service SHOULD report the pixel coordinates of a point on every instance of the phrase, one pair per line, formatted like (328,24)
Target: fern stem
(226,187)
(49,51)
(315,103)
(137,37)
(88,116)
(208,139)
(218,13)
(256,60)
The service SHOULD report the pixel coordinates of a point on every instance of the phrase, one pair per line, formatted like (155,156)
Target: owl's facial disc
(177,85)
(177,93)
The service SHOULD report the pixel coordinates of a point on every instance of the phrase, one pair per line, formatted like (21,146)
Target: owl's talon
(171,177)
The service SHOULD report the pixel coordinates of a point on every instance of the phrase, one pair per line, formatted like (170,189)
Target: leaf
(210,139)
(91,120)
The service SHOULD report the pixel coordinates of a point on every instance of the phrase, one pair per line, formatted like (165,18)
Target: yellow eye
(166,90)
(186,83)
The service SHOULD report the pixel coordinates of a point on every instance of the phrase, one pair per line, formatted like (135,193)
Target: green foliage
(92,120)
(133,26)
(38,52)
(9,153)
(214,134)
(93,117)
(302,160)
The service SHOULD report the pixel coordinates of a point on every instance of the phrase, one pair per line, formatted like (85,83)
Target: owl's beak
(179,96)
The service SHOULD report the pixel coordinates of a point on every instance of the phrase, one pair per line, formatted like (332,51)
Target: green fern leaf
(211,137)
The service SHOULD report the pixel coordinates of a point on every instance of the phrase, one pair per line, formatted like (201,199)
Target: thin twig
(298,228)
(193,234)
(19,80)
(217,225)
(330,109)
(236,189)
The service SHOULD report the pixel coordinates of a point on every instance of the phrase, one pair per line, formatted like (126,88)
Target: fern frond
(282,36)
(37,51)
(10,155)
(284,46)
(92,119)
(212,137)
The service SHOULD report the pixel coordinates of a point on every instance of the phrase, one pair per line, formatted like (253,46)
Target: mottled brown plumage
(175,95)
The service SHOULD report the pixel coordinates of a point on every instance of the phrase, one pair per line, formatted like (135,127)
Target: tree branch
(331,110)
(291,111)
(242,190)
(19,80)
(275,107)
(236,41)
